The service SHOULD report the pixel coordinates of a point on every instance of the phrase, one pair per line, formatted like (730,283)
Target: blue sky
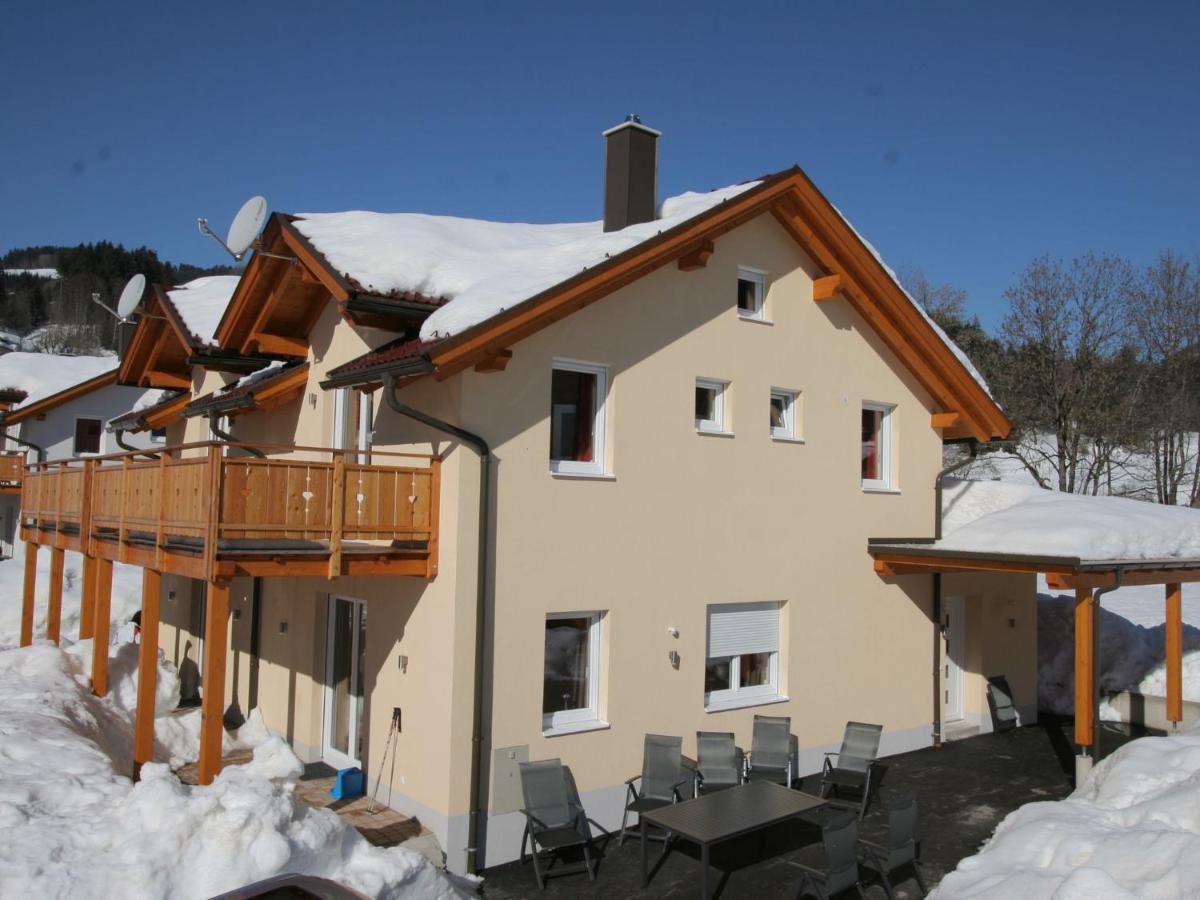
(962,138)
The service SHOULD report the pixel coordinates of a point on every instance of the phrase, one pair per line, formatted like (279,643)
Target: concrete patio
(964,790)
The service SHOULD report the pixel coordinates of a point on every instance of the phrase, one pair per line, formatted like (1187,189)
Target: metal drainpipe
(480,446)
(255,629)
(36,448)
(937,592)
(1096,661)
(119,436)
(226,436)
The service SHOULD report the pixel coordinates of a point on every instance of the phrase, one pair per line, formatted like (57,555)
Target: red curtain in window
(870,444)
(585,417)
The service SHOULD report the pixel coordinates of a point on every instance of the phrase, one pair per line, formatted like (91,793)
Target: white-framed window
(89,435)
(577,394)
(710,405)
(742,664)
(783,414)
(877,446)
(751,293)
(571,675)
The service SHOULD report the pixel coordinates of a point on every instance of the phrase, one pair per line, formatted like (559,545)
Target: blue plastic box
(349,783)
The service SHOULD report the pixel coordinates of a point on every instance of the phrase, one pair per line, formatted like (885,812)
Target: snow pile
(153,398)
(481,267)
(126,594)
(1132,656)
(75,826)
(1131,830)
(41,375)
(995,517)
(201,303)
(268,371)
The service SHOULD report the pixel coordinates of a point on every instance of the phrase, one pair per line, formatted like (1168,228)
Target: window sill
(575,728)
(786,440)
(584,476)
(755,319)
(744,702)
(880,490)
(707,433)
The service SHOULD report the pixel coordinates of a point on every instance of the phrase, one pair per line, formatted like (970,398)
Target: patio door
(342,741)
(952,666)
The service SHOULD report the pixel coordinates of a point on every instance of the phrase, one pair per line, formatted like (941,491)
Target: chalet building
(545,489)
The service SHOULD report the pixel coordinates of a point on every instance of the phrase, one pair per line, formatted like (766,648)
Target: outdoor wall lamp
(673,656)
(403,664)
(673,631)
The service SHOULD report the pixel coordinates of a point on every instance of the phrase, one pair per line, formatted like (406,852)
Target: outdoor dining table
(725,815)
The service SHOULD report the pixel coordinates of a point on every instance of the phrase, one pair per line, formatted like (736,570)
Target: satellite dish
(243,232)
(131,296)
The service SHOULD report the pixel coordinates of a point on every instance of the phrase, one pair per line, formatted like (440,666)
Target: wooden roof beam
(158,378)
(945,419)
(1093,580)
(496,362)
(281,287)
(828,287)
(281,345)
(697,258)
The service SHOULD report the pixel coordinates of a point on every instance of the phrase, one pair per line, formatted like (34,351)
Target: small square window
(87,435)
(876,446)
(710,405)
(570,683)
(751,293)
(158,436)
(783,414)
(577,418)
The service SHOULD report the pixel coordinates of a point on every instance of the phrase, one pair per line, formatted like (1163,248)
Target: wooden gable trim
(823,234)
(152,335)
(164,414)
(41,407)
(280,390)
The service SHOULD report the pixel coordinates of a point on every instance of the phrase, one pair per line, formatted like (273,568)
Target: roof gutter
(385,371)
(482,636)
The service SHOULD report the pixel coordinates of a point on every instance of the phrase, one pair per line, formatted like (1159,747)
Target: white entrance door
(952,668)
(344,670)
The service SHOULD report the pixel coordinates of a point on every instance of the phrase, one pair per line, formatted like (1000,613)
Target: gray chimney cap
(632,121)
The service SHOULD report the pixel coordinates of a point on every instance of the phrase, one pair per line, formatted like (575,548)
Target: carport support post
(143,728)
(87,608)
(54,607)
(1085,677)
(212,704)
(1175,653)
(103,600)
(27,595)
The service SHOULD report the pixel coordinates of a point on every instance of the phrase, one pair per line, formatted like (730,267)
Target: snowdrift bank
(75,826)
(1131,830)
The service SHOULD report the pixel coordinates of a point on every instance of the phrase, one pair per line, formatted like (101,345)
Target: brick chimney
(630,174)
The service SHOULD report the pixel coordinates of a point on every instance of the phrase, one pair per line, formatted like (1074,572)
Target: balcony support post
(338,516)
(54,606)
(27,595)
(212,708)
(143,729)
(103,601)
(87,602)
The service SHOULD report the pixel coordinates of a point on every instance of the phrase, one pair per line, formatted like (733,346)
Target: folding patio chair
(901,849)
(663,774)
(771,755)
(839,837)
(719,761)
(855,766)
(553,823)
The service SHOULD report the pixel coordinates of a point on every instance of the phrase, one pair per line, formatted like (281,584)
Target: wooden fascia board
(278,390)
(1095,580)
(889,563)
(165,414)
(141,345)
(167,310)
(315,262)
(463,350)
(64,396)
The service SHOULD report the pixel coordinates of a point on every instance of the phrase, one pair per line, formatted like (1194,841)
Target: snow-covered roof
(201,303)
(996,517)
(42,375)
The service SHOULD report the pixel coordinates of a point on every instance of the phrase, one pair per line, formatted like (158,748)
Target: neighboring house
(68,401)
(692,419)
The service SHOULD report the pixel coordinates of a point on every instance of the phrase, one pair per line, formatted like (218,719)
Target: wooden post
(1085,666)
(54,607)
(1175,653)
(212,706)
(87,601)
(337,516)
(27,595)
(143,728)
(103,595)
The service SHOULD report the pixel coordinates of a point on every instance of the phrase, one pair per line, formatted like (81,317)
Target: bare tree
(1064,377)
(945,303)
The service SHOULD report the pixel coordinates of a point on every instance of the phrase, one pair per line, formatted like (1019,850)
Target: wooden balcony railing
(213,510)
(12,467)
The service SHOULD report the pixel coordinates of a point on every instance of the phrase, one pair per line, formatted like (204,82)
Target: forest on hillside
(58,314)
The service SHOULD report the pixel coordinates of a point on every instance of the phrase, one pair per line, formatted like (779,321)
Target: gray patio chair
(553,823)
(1000,704)
(771,753)
(663,774)
(854,769)
(901,850)
(839,838)
(720,761)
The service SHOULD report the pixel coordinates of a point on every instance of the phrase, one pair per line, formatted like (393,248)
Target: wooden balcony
(214,511)
(12,468)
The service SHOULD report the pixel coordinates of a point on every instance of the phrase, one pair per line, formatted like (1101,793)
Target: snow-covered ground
(1131,830)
